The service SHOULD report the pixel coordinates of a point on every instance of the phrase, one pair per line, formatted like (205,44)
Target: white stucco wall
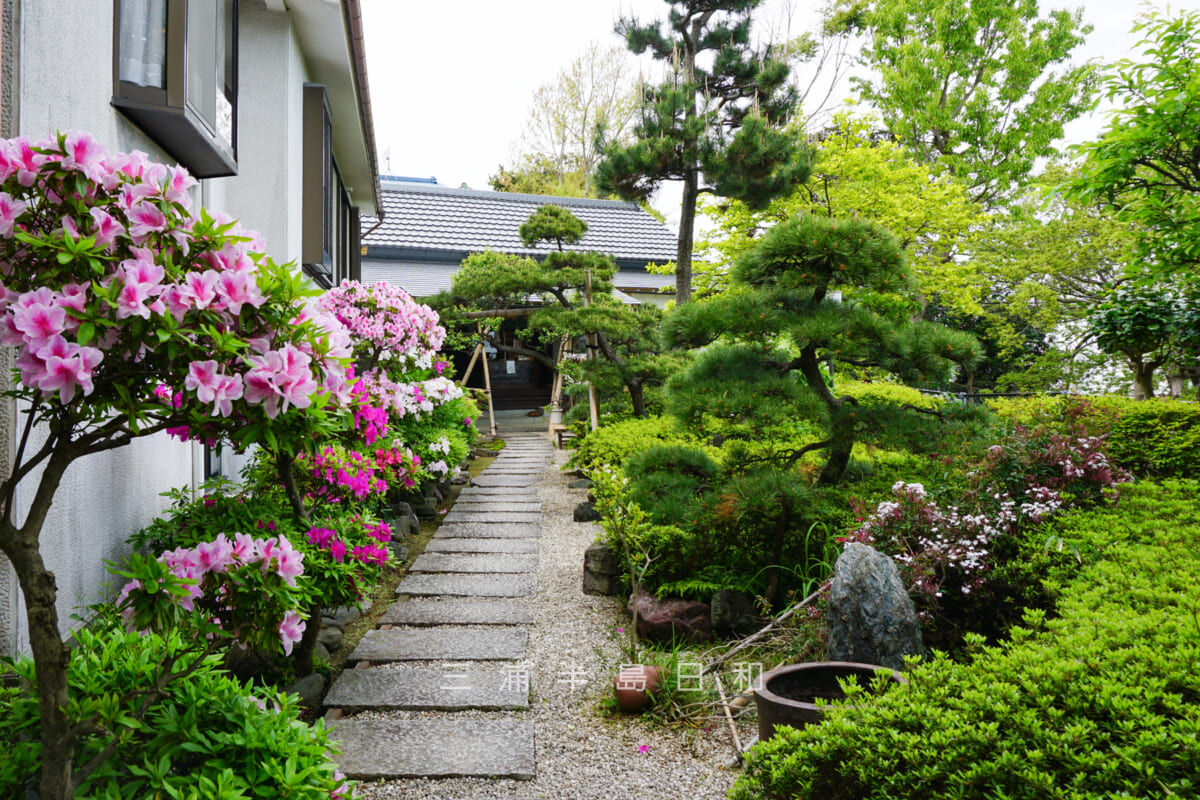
(65,83)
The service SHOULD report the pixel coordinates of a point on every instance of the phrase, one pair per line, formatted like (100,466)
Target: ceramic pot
(634,687)
(789,695)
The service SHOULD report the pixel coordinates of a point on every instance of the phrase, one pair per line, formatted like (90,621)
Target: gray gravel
(582,753)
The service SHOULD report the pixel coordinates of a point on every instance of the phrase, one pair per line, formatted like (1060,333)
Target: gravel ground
(582,753)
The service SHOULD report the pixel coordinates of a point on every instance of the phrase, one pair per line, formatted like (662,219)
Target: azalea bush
(427,429)
(243,588)
(962,555)
(131,313)
(343,550)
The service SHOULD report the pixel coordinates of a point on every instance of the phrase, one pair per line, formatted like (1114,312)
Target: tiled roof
(430,217)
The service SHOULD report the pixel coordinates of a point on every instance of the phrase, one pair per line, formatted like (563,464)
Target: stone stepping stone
(435,748)
(488,562)
(515,493)
(496,504)
(516,459)
(457,611)
(491,517)
(441,644)
(468,585)
(523,546)
(483,530)
(506,481)
(449,689)
(495,472)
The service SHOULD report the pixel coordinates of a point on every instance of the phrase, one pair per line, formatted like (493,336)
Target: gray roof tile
(468,220)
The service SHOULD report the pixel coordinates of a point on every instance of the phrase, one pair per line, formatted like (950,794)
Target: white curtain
(143,41)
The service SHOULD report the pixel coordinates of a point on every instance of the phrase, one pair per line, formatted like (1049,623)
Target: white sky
(451,81)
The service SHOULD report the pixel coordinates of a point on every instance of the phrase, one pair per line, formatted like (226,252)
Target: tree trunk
(637,396)
(683,247)
(303,654)
(1143,378)
(287,476)
(839,460)
(51,658)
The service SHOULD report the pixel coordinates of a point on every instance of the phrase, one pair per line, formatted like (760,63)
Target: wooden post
(593,402)
(487,383)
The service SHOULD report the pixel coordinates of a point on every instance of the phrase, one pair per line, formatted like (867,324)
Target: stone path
(454,641)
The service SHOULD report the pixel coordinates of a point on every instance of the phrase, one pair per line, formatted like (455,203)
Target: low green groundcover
(207,737)
(1102,701)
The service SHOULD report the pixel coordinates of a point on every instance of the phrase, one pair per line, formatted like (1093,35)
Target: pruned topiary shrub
(1103,701)
(1159,437)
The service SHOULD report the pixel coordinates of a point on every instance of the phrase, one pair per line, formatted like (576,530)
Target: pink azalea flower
(85,154)
(107,227)
(146,219)
(178,182)
(291,562)
(337,549)
(201,289)
(38,322)
(244,548)
(27,162)
(10,209)
(68,367)
(237,289)
(291,630)
(215,556)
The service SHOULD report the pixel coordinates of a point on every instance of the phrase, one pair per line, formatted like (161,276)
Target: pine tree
(814,292)
(624,334)
(715,123)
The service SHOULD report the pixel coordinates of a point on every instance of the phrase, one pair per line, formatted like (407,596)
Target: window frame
(165,114)
(330,237)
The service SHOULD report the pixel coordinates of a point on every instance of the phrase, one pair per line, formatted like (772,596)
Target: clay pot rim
(770,696)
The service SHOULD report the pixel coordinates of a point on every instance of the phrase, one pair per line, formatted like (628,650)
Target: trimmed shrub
(1158,437)
(613,444)
(204,736)
(1103,701)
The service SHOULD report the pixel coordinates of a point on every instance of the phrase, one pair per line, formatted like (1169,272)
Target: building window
(212,461)
(331,246)
(175,76)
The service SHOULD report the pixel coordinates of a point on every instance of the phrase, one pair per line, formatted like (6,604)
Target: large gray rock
(733,613)
(586,512)
(672,620)
(404,520)
(331,637)
(309,689)
(871,618)
(602,570)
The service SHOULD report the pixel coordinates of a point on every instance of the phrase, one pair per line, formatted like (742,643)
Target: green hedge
(613,444)
(1158,437)
(1103,701)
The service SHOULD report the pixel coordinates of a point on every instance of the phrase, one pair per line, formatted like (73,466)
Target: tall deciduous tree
(714,123)
(970,84)
(1047,263)
(589,104)
(855,174)
(1151,327)
(1146,165)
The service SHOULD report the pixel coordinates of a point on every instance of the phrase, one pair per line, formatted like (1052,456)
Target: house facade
(266,102)
(429,229)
